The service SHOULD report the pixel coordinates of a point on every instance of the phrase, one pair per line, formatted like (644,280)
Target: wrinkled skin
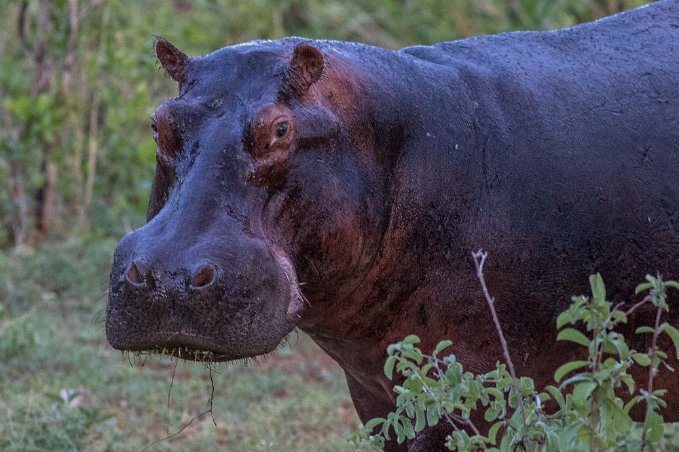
(340,188)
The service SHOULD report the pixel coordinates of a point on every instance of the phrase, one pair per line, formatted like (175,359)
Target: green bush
(590,415)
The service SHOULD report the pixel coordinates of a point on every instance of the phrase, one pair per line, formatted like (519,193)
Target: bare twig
(479,260)
(636,306)
(169,392)
(208,410)
(178,432)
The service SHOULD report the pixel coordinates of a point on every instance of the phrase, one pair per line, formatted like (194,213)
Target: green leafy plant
(590,413)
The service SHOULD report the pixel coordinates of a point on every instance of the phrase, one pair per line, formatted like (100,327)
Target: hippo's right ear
(306,67)
(173,60)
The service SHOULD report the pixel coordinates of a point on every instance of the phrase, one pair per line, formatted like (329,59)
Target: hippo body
(341,188)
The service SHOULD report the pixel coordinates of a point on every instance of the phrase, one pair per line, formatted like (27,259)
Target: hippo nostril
(203,277)
(134,276)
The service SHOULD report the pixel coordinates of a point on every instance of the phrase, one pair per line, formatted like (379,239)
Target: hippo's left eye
(281,129)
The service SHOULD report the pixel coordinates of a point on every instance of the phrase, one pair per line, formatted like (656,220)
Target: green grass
(63,388)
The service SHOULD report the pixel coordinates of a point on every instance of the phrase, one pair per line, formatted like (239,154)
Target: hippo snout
(138,276)
(224,303)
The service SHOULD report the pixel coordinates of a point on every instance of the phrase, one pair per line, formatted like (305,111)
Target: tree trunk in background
(20,223)
(45,195)
(48,192)
(76,157)
(69,59)
(93,145)
(77,175)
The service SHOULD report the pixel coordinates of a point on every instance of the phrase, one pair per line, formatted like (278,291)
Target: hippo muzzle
(200,302)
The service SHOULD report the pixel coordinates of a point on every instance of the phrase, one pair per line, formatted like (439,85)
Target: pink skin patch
(297,299)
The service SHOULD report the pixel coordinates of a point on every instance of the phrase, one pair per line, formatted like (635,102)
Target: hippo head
(267,203)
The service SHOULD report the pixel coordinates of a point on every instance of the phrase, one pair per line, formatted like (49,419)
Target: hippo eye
(282,129)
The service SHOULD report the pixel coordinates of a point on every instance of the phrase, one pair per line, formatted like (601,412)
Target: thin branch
(479,260)
(178,432)
(169,392)
(193,419)
(636,306)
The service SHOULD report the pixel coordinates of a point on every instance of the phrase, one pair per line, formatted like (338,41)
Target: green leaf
(400,433)
(642,287)
(573,335)
(568,368)
(629,382)
(673,284)
(673,333)
(596,282)
(645,329)
(491,414)
(389,366)
(441,346)
(400,390)
(577,378)
(556,395)
(619,345)
(641,359)
(660,392)
(619,316)
(526,386)
(410,410)
(506,443)
(563,318)
(492,432)
(404,364)
(620,418)
(372,423)
(654,425)
(408,429)
(496,393)
(633,401)
(433,415)
(414,355)
(411,339)
(582,391)
(420,419)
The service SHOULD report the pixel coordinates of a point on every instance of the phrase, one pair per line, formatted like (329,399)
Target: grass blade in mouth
(204,356)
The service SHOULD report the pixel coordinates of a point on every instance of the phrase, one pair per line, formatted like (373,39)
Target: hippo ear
(173,60)
(306,67)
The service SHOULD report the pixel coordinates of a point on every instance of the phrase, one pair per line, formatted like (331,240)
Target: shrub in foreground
(590,414)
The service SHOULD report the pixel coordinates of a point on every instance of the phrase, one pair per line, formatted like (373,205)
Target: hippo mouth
(186,353)
(241,312)
(184,345)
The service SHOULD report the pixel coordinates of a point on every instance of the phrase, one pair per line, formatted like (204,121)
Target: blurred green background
(78,82)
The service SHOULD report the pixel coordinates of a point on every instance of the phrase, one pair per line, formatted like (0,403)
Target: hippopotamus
(340,188)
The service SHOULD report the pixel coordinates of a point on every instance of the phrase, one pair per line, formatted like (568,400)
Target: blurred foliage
(78,82)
